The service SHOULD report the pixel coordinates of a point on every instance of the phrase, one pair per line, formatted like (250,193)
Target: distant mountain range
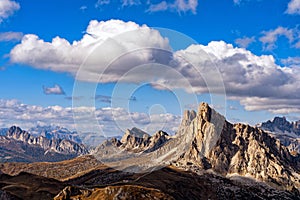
(55,132)
(287,132)
(19,145)
(208,158)
(282,126)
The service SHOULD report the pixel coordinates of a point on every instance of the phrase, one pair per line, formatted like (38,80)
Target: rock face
(112,193)
(55,132)
(19,145)
(136,140)
(55,145)
(206,141)
(237,149)
(287,132)
(281,125)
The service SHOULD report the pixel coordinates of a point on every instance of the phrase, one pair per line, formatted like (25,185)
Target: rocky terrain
(61,171)
(55,132)
(18,145)
(281,125)
(238,149)
(208,158)
(210,143)
(113,192)
(287,132)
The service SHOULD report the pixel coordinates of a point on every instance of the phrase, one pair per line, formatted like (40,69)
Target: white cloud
(56,89)
(291,61)
(276,106)
(8,8)
(270,37)
(83,8)
(10,36)
(198,68)
(130,2)
(246,77)
(244,42)
(100,3)
(162,6)
(293,7)
(178,6)
(62,56)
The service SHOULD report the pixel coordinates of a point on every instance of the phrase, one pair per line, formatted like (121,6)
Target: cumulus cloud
(245,41)
(291,61)
(8,8)
(99,43)
(111,120)
(247,78)
(56,89)
(270,37)
(143,55)
(293,7)
(178,6)
(10,36)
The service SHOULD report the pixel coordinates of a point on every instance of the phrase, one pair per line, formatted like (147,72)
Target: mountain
(62,170)
(287,132)
(99,180)
(19,145)
(113,192)
(208,158)
(28,186)
(137,140)
(55,132)
(238,149)
(206,141)
(281,125)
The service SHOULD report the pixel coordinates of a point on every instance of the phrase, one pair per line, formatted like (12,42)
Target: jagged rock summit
(281,125)
(237,149)
(206,141)
(287,132)
(19,145)
(56,145)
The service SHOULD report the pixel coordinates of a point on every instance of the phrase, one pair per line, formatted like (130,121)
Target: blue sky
(253,44)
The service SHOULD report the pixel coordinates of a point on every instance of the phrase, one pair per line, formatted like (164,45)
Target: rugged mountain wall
(237,149)
(20,146)
(54,145)
(287,132)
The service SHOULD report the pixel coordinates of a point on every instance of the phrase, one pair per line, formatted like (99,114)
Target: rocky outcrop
(20,146)
(237,149)
(287,132)
(113,192)
(136,140)
(281,125)
(55,132)
(62,146)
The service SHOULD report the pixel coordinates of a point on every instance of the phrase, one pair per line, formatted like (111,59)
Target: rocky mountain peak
(134,134)
(281,125)
(204,111)
(285,131)
(236,149)
(62,146)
